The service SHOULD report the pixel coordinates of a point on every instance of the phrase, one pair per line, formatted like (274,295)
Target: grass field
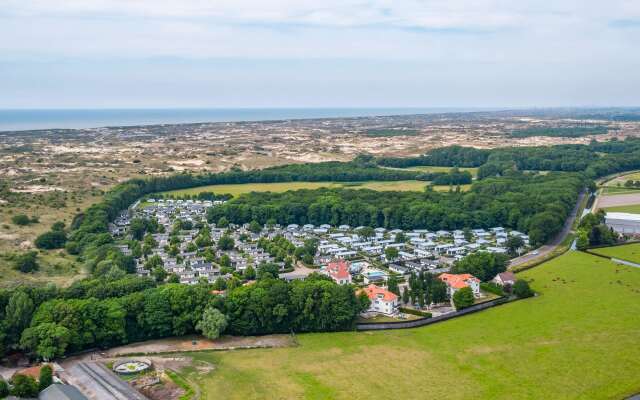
(633,209)
(237,189)
(611,190)
(473,171)
(577,340)
(629,252)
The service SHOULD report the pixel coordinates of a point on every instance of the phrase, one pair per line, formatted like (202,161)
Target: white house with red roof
(456,282)
(382,300)
(339,272)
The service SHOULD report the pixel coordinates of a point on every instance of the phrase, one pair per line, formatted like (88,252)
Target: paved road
(549,247)
(98,383)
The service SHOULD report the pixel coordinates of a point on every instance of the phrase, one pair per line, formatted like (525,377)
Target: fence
(428,321)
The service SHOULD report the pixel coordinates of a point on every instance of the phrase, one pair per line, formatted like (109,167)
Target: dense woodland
(113,307)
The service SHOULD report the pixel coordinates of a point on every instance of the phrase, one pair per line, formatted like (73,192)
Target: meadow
(240,188)
(576,340)
(628,252)
(633,209)
(472,170)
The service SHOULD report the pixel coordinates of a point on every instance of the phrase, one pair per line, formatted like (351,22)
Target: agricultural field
(553,346)
(240,188)
(628,252)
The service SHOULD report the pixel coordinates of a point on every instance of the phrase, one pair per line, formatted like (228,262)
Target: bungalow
(456,282)
(339,272)
(505,278)
(374,275)
(382,300)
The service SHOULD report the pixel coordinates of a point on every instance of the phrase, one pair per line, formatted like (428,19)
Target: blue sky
(331,53)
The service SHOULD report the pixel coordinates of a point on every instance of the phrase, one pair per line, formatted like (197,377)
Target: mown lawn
(629,252)
(472,170)
(577,340)
(237,189)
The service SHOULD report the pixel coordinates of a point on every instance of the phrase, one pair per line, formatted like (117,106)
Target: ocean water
(30,119)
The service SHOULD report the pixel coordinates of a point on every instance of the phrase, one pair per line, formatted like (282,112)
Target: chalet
(456,282)
(382,300)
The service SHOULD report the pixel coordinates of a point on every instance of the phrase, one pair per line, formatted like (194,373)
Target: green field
(633,209)
(610,190)
(629,252)
(577,340)
(473,171)
(237,189)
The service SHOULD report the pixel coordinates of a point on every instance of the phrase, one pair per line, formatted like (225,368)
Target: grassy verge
(189,392)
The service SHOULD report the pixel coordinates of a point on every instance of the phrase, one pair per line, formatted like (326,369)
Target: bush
(26,262)
(414,312)
(522,290)
(51,240)
(20,219)
(492,288)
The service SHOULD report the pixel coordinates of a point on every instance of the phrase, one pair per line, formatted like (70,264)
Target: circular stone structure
(131,366)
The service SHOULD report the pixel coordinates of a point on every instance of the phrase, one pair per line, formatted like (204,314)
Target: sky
(329,53)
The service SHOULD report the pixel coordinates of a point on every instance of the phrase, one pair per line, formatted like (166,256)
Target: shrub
(20,219)
(414,312)
(4,388)
(51,240)
(26,262)
(522,290)
(492,288)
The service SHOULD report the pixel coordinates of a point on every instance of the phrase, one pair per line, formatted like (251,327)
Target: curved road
(549,247)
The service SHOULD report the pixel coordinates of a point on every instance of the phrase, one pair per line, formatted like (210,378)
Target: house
(456,282)
(505,278)
(339,272)
(374,275)
(382,300)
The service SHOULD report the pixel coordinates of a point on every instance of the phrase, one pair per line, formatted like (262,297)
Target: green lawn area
(473,171)
(618,190)
(577,340)
(633,208)
(629,252)
(237,189)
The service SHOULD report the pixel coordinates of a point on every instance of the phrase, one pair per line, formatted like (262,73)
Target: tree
(391,253)
(46,377)
(137,228)
(366,232)
(18,313)
(51,240)
(268,270)
(463,298)
(213,323)
(513,244)
(223,222)
(521,289)
(255,227)
(24,386)
(405,295)
(4,388)
(58,226)
(26,262)
(582,241)
(482,265)
(401,237)
(47,340)
(159,274)
(249,273)
(226,242)
(392,285)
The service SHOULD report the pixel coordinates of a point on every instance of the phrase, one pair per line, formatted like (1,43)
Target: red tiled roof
(338,270)
(374,291)
(457,281)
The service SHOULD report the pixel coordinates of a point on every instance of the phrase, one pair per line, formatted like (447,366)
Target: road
(549,247)
(98,383)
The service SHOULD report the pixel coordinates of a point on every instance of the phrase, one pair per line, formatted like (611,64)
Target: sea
(37,119)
